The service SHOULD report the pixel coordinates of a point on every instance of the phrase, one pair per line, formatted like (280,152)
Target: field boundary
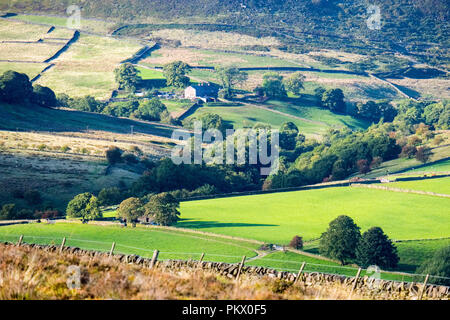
(428,193)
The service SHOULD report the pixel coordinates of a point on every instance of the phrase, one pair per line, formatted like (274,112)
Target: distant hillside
(404,23)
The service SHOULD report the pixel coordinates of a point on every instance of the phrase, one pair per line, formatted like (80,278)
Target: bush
(296,243)
(423,154)
(114,155)
(44,96)
(439,266)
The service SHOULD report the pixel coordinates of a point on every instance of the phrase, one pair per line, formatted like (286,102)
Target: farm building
(205,91)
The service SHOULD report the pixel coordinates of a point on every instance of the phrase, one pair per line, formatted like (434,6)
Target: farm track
(429,193)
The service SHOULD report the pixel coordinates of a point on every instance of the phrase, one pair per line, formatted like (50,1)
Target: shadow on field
(186,223)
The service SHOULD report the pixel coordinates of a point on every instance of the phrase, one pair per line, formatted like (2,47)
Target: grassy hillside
(278,217)
(407,26)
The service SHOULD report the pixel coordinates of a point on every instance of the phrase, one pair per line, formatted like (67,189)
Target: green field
(443,166)
(278,217)
(248,116)
(305,108)
(413,253)
(438,185)
(140,240)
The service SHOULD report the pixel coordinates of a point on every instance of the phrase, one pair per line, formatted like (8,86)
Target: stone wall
(366,286)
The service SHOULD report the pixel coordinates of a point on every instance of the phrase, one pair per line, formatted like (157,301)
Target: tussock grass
(27,273)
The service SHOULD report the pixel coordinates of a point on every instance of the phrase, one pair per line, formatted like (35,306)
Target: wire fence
(291,266)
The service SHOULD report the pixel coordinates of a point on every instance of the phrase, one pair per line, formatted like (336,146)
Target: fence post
(201,257)
(20,240)
(299,272)
(62,244)
(424,287)
(111,252)
(240,268)
(154,258)
(356,279)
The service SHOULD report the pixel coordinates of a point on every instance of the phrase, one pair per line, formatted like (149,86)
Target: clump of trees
(161,208)
(343,241)
(85,206)
(16,88)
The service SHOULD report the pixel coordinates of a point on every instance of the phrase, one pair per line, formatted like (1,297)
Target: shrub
(423,154)
(296,243)
(363,166)
(114,155)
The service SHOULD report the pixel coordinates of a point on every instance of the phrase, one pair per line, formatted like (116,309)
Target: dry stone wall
(366,286)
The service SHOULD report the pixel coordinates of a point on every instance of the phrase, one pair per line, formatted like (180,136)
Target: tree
(340,240)
(296,243)
(438,265)
(44,96)
(175,74)
(85,206)
(131,209)
(288,135)
(114,155)
(110,196)
(163,208)
(273,85)
(333,99)
(127,76)
(294,83)
(229,78)
(15,87)
(375,248)
(423,154)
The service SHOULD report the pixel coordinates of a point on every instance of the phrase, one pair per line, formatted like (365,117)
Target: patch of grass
(248,116)
(413,253)
(140,240)
(86,68)
(438,185)
(304,107)
(30,69)
(277,217)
